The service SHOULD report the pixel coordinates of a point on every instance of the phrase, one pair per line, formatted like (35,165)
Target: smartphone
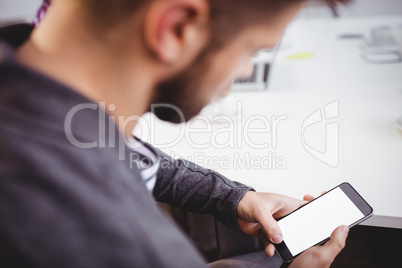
(313,223)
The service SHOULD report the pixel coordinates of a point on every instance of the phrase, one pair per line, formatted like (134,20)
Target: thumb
(271,228)
(336,243)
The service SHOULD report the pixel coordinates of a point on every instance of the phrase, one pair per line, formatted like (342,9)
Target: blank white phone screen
(317,220)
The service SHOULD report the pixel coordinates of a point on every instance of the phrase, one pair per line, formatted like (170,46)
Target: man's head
(235,34)
(193,49)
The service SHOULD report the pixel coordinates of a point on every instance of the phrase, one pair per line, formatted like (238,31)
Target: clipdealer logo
(234,132)
(330,154)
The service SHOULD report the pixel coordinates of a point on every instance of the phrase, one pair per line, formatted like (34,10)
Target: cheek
(220,83)
(224,71)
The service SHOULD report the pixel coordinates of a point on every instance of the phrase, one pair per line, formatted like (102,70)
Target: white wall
(372,7)
(318,8)
(14,10)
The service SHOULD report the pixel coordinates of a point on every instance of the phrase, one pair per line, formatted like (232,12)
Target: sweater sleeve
(186,185)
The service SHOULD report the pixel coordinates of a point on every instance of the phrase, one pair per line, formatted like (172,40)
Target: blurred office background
(17,10)
(367,126)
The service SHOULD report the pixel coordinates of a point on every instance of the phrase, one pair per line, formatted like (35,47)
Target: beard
(181,98)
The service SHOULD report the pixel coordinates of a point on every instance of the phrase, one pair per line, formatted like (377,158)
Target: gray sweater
(66,206)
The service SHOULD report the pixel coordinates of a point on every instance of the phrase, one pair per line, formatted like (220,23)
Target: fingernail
(277,239)
(345,230)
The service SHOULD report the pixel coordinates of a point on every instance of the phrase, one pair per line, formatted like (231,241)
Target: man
(72,89)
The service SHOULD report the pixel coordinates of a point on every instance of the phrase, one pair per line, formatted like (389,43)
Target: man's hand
(256,216)
(323,256)
(257,212)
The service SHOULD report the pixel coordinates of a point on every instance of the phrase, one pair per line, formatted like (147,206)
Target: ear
(175,30)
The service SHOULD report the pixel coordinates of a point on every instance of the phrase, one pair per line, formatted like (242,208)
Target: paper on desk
(306,55)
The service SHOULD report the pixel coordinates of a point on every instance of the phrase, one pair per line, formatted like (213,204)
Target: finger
(283,205)
(337,240)
(270,228)
(270,250)
(286,206)
(308,198)
(335,244)
(269,247)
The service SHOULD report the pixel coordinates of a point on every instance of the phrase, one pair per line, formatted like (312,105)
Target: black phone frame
(352,194)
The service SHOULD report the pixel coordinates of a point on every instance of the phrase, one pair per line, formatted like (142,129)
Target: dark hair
(112,10)
(227,17)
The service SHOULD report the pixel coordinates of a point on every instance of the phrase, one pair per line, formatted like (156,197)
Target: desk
(257,139)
